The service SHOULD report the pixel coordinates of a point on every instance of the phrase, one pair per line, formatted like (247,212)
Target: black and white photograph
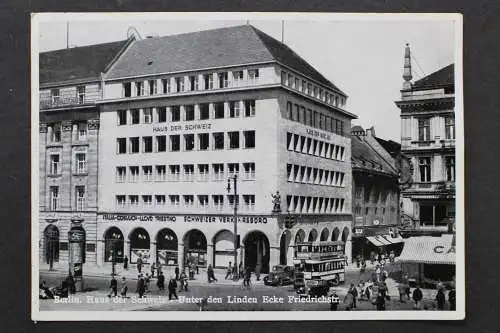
(247,166)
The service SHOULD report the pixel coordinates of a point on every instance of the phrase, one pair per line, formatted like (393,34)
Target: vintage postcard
(247,166)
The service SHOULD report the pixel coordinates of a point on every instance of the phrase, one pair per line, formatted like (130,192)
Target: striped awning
(429,250)
(375,240)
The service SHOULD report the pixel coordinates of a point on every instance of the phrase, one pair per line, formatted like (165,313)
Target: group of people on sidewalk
(417,296)
(244,273)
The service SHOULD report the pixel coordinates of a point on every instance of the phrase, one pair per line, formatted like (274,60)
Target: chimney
(370,131)
(407,68)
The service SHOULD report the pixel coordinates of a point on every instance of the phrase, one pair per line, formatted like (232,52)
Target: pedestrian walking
(172,288)
(380,303)
(247,277)
(354,293)
(210,274)
(141,286)
(392,257)
(113,287)
(402,292)
(147,279)
(334,301)
(139,265)
(184,281)
(349,301)
(452,299)
(176,273)
(197,268)
(191,272)
(153,269)
(257,272)
(372,257)
(125,263)
(160,283)
(440,299)
(235,273)
(358,261)
(124,287)
(71,284)
(229,271)
(363,267)
(417,297)
(240,270)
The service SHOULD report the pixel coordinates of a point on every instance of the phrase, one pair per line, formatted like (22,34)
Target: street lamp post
(235,224)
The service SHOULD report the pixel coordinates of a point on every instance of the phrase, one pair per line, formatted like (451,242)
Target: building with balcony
(70,83)
(428,138)
(183,114)
(376,195)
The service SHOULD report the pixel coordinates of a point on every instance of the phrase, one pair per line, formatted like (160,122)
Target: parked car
(279,276)
(314,288)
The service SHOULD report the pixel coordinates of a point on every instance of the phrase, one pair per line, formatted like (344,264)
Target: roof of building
(365,156)
(392,147)
(357,129)
(441,78)
(229,46)
(77,63)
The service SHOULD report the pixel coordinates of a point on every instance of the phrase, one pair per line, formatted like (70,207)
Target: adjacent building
(428,139)
(183,114)
(70,86)
(376,194)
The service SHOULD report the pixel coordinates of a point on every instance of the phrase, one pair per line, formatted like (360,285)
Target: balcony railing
(48,100)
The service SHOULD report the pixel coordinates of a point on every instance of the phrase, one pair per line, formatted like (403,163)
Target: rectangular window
(80,94)
(188,142)
(450,168)
(188,200)
(147,200)
(234,109)
(232,200)
(449,125)
(424,164)
(249,201)
(135,116)
(121,174)
(249,169)
(54,164)
(134,145)
(297,84)
(161,143)
(80,198)
(166,86)
(203,139)
(175,143)
(134,173)
(175,111)
(152,87)
(203,201)
(253,74)
(81,131)
(55,94)
(289,110)
(193,83)
(122,117)
(302,115)
(237,78)
(148,115)
(321,121)
(134,200)
(209,81)
(233,169)
(139,88)
(249,139)
(175,171)
(121,201)
(309,88)
(127,89)
(161,173)
(54,198)
(179,84)
(309,117)
(219,110)
(160,200)
(289,82)
(189,112)
(174,200)
(424,129)
(121,145)
(162,114)
(223,82)
(296,111)
(250,108)
(234,140)
(56,133)
(203,171)
(283,78)
(188,172)
(147,144)
(147,173)
(218,201)
(218,171)
(204,111)
(315,92)
(81,162)
(218,139)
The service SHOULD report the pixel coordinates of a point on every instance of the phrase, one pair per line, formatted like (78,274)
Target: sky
(363,56)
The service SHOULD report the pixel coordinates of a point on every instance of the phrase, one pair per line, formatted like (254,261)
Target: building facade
(376,196)
(182,115)
(428,138)
(70,86)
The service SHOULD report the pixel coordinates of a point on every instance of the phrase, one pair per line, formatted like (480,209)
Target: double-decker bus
(321,260)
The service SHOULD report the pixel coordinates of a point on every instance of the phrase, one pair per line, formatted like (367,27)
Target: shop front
(375,239)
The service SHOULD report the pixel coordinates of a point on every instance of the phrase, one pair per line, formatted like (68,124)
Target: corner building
(182,114)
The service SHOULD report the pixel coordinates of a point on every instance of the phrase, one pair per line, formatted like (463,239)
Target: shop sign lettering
(442,249)
(145,218)
(318,134)
(187,127)
(186,218)
(225,219)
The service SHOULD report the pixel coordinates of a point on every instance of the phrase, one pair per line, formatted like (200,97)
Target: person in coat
(176,273)
(229,271)
(153,269)
(160,282)
(139,265)
(452,299)
(124,287)
(402,292)
(334,301)
(141,286)
(125,262)
(354,293)
(184,281)
(113,286)
(417,297)
(349,301)
(172,288)
(210,274)
(440,299)
(257,272)
(380,302)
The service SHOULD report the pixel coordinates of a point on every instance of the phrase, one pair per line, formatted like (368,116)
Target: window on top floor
(237,76)
(309,88)
(297,84)
(223,79)
(424,129)
(449,125)
(209,81)
(127,89)
(289,110)
(253,74)
(304,86)
(204,111)
(166,86)
(283,78)
(179,84)
(193,82)
(153,90)
(80,94)
(450,168)
(289,81)
(139,88)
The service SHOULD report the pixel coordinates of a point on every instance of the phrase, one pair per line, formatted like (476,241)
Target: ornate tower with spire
(407,69)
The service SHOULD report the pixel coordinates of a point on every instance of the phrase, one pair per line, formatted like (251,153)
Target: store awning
(375,241)
(429,250)
(394,240)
